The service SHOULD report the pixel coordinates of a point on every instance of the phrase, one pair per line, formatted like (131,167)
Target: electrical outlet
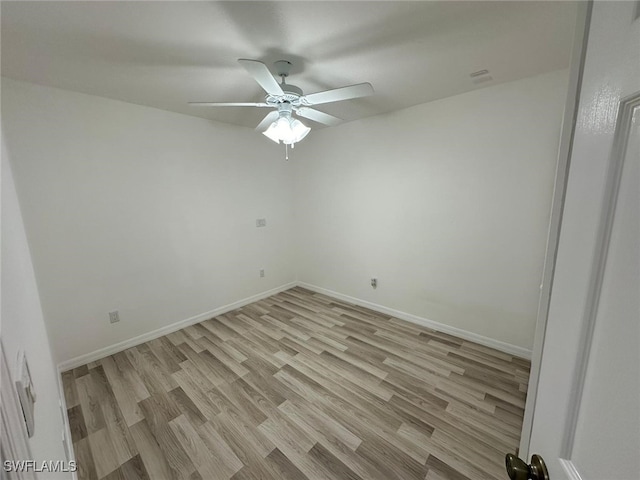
(374,282)
(261,222)
(261,272)
(114,317)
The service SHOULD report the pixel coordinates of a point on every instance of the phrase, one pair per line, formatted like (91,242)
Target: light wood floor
(298,386)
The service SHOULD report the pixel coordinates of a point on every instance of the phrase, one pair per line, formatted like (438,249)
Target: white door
(586,407)
(14,440)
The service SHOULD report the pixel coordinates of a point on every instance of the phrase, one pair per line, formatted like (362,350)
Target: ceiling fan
(287,100)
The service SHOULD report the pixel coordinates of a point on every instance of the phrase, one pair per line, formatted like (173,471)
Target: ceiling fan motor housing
(291,95)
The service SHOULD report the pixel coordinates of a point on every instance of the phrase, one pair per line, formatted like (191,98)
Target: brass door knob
(518,470)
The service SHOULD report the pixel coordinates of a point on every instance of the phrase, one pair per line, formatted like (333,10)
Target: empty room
(320,240)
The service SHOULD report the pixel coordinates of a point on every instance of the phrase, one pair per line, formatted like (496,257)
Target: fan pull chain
(286,150)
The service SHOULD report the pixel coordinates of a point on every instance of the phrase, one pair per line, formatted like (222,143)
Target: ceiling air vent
(480,76)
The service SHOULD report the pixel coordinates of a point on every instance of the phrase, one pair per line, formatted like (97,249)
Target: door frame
(565,148)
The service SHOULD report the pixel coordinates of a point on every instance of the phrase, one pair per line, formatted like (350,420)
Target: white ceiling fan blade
(266,121)
(318,116)
(228,104)
(339,94)
(262,75)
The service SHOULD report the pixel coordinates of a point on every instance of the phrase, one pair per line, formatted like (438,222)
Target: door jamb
(565,148)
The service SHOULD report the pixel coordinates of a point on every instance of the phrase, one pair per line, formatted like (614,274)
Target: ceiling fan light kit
(286,129)
(286,99)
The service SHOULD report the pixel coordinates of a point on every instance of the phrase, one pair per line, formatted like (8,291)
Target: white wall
(143,211)
(446,203)
(23,326)
(153,213)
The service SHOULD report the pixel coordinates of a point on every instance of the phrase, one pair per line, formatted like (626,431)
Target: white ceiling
(165,54)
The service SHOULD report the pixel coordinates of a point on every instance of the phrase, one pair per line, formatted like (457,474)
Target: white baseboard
(145,337)
(440,327)
(132,342)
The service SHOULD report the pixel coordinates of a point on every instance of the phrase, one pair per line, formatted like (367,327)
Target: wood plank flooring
(298,386)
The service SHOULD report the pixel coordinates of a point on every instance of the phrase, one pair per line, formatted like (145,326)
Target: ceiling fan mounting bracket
(291,93)
(283,67)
